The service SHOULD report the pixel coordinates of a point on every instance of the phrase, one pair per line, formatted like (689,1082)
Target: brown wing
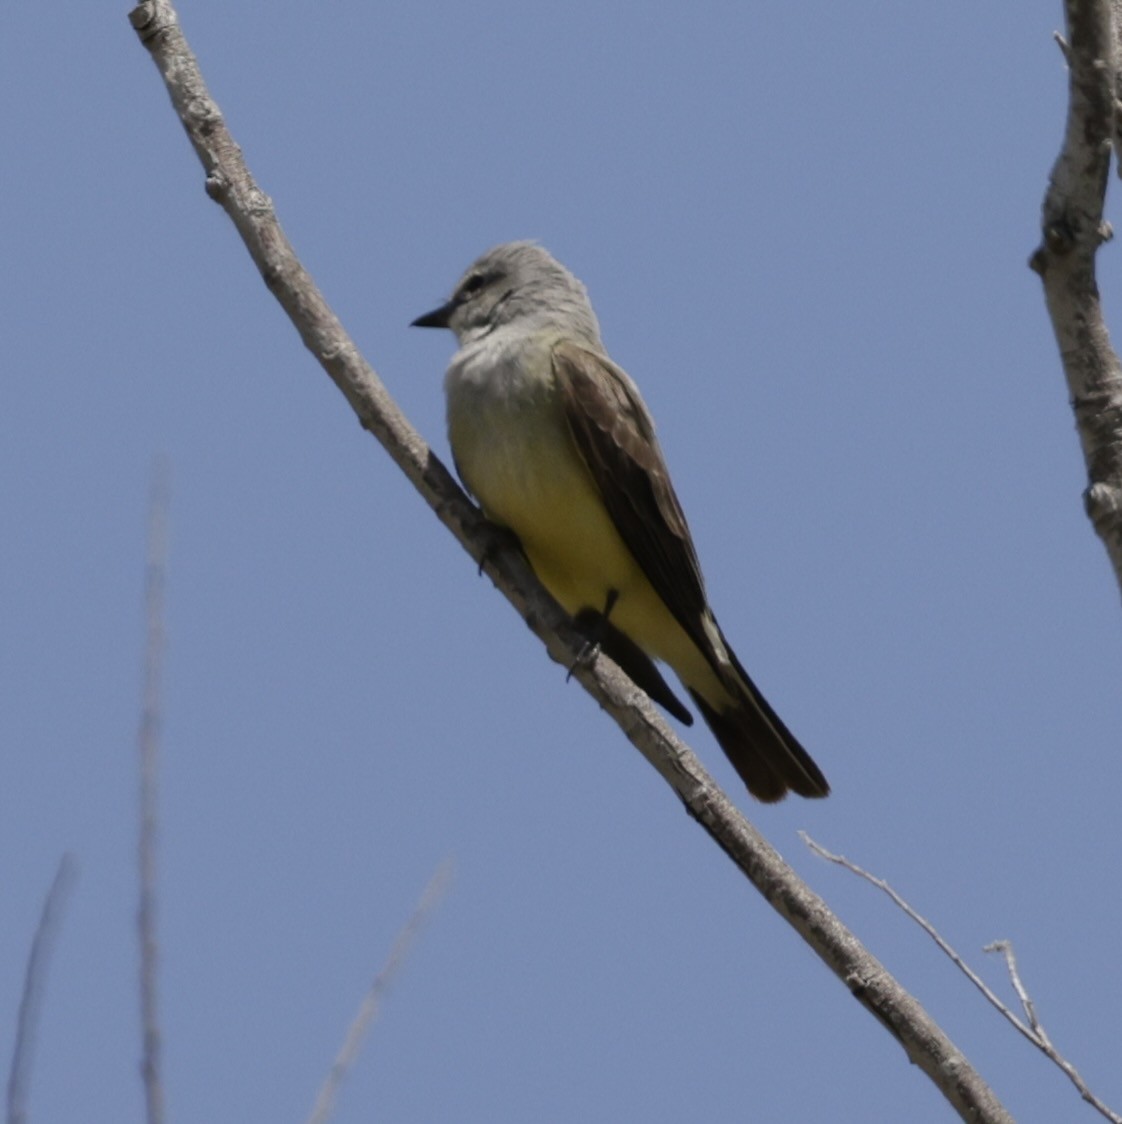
(615,436)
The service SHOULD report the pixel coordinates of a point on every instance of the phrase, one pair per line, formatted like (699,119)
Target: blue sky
(804,229)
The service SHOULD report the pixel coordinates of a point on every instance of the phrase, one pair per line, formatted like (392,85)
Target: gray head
(516,282)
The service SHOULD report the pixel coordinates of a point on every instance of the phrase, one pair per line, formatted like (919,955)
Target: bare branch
(924,924)
(1116,17)
(230,183)
(1034,1032)
(149,747)
(1040,1038)
(1073,229)
(428,902)
(34,982)
(1006,947)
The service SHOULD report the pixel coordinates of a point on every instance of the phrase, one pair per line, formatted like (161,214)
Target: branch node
(142,17)
(274,276)
(1059,237)
(1102,503)
(216,186)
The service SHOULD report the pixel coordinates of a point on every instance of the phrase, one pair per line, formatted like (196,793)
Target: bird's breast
(516,454)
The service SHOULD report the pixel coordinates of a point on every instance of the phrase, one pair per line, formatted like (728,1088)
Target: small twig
(1006,948)
(925,925)
(149,746)
(34,981)
(1040,1037)
(409,932)
(1034,1032)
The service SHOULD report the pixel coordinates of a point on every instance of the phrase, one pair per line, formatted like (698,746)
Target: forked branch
(1033,1030)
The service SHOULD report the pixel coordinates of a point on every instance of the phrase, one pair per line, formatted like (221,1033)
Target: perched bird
(554,441)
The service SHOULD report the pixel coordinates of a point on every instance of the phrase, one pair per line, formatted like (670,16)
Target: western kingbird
(554,441)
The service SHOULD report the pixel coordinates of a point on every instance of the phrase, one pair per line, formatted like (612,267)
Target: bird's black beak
(438,318)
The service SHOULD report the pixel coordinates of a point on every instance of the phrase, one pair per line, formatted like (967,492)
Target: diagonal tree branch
(429,900)
(1073,230)
(34,982)
(229,183)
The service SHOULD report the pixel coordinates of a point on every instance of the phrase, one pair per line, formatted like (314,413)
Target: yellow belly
(529,476)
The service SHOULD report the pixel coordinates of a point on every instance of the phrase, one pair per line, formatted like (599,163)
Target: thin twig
(1041,1038)
(1006,949)
(149,746)
(1034,1032)
(408,934)
(925,925)
(34,982)
(230,183)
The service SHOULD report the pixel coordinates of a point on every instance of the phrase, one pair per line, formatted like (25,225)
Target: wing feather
(615,436)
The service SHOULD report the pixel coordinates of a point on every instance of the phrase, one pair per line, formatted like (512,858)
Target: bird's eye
(473,284)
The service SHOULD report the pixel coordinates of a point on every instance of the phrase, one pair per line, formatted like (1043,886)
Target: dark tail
(762,750)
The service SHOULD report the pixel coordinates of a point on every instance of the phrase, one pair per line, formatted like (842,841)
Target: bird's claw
(498,540)
(586,657)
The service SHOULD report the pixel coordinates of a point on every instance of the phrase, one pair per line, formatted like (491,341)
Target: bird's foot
(586,657)
(595,627)
(498,539)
